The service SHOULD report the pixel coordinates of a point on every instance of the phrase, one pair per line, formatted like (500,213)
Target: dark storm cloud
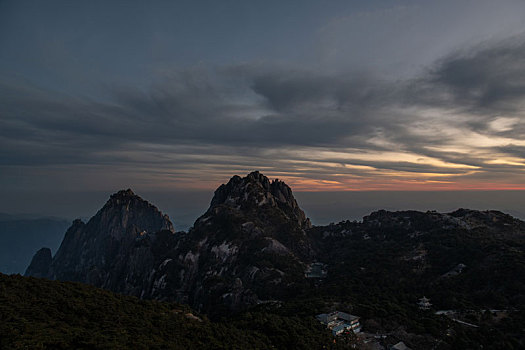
(492,78)
(517,151)
(486,81)
(191,106)
(292,90)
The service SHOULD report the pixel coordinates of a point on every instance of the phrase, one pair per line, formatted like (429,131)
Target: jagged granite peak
(40,263)
(102,251)
(125,209)
(255,191)
(124,193)
(251,245)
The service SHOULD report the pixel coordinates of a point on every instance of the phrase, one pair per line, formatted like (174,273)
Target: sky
(158,96)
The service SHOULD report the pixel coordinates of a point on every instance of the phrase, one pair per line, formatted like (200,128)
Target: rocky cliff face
(105,251)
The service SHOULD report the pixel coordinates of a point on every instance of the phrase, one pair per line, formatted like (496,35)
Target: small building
(338,329)
(339,322)
(424,303)
(350,320)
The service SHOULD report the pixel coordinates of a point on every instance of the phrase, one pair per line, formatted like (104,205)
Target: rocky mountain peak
(100,251)
(40,263)
(255,192)
(256,176)
(123,196)
(253,237)
(125,210)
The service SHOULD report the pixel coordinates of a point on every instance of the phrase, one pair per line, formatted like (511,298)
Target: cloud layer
(457,124)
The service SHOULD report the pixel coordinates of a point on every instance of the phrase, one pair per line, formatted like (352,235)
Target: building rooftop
(338,321)
(346,317)
(338,328)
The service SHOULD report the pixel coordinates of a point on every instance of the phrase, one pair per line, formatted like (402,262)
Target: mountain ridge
(123,247)
(254,243)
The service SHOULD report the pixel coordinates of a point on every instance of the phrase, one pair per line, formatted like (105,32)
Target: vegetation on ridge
(42,314)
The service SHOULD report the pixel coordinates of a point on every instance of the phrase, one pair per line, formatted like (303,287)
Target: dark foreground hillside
(42,314)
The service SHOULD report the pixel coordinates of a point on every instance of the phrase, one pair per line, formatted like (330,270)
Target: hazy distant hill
(20,236)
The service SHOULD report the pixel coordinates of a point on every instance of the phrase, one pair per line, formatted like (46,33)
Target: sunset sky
(329,96)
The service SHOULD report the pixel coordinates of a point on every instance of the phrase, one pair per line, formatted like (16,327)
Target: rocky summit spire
(255,192)
(253,238)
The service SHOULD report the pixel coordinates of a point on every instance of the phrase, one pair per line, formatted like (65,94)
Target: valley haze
(184,207)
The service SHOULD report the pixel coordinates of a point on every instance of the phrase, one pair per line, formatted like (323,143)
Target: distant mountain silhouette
(21,235)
